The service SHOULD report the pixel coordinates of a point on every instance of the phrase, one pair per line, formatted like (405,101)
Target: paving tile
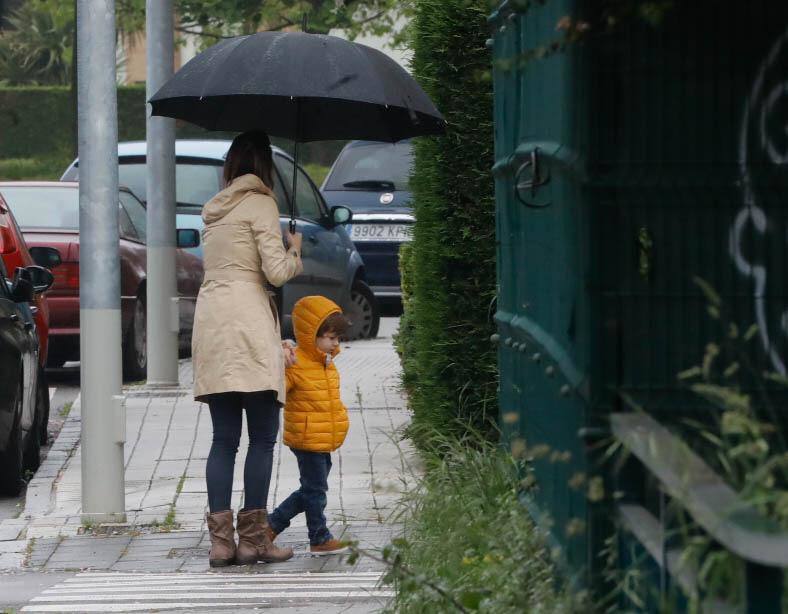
(162,447)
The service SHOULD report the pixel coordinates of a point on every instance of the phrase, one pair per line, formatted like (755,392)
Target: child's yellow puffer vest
(315,418)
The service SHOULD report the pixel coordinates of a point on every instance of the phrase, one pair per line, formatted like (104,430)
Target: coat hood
(229,198)
(308,314)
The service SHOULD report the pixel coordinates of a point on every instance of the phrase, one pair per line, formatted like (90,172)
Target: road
(63,390)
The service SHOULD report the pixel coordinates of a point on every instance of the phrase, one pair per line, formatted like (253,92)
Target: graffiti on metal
(763,153)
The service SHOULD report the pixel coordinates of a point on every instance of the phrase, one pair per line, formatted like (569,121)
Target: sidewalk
(167,445)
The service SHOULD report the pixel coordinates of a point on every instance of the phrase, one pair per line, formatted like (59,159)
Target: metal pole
(162,290)
(103,420)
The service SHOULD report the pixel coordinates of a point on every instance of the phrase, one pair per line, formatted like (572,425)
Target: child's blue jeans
(313,468)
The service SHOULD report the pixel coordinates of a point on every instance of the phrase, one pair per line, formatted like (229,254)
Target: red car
(15,253)
(48,213)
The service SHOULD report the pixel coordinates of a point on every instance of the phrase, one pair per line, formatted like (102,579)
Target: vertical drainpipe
(103,419)
(162,291)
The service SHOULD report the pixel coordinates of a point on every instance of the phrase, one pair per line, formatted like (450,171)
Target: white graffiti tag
(763,145)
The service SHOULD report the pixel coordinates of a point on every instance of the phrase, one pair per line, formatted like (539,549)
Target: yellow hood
(308,314)
(229,198)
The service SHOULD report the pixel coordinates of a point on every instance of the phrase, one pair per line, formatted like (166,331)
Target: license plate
(398,233)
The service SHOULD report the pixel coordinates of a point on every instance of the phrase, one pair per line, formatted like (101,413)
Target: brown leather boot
(220,525)
(254,541)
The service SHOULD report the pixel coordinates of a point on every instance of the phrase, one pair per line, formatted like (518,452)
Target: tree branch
(188,30)
(377,15)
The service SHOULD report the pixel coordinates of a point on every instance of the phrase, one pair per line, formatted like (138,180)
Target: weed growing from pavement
(88,526)
(169,519)
(468,544)
(31,544)
(66,409)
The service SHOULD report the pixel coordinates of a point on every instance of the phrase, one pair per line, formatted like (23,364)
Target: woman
(237,349)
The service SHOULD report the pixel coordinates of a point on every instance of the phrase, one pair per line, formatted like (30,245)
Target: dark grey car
(19,371)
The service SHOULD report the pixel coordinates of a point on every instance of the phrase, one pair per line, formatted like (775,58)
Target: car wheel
(135,350)
(12,461)
(42,406)
(362,312)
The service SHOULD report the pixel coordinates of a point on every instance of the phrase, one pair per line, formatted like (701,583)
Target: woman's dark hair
(250,153)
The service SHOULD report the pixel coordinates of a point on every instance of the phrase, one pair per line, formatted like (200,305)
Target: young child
(316,421)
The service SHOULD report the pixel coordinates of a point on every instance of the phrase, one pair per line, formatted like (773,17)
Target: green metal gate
(626,166)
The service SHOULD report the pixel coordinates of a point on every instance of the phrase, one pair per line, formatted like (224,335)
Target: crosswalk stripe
(126,588)
(219,576)
(268,596)
(129,607)
(141,592)
(85,582)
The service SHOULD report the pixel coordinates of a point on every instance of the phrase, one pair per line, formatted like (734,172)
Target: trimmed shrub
(38,123)
(449,364)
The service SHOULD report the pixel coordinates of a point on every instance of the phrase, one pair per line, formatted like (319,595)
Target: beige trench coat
(236,344)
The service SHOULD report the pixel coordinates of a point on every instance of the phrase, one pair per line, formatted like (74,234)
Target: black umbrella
(304,87)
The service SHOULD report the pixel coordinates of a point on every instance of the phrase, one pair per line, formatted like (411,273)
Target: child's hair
(336,323)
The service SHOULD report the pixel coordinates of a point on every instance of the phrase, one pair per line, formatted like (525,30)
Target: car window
(127,230)
(44,207)
(195,183)
(136,212)
(370,163)
(307,200)
(279,191)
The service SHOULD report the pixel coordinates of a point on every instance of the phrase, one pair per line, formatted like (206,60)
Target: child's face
(328,342)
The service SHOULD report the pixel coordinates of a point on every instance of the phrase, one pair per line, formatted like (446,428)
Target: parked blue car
(373,180)
(332,266)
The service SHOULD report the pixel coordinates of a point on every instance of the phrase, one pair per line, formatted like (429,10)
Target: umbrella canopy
(305,87)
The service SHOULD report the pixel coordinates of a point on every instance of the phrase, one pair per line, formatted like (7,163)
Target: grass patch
(169,519)
(317,172)
(468,543)
(88,526)
(23,169)
(65,410)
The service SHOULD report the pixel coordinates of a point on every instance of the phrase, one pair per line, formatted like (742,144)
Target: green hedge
(39,121)
(38,126)
(450,368)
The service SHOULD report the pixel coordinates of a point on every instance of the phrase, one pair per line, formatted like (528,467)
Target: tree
(37,47)
(216,19)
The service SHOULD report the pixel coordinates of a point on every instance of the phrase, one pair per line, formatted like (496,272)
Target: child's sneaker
(332,546)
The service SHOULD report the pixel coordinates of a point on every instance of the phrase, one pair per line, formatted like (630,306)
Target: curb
(41,489)
(39,498)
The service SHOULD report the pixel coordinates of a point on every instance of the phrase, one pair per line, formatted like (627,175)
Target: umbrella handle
(292,227)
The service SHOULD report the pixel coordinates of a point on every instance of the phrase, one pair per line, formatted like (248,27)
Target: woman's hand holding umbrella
(294,240)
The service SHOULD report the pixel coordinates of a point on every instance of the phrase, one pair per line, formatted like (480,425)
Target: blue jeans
(313,468)
(262,420)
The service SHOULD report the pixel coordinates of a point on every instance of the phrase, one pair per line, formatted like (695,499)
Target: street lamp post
(103,417)
(162,291)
